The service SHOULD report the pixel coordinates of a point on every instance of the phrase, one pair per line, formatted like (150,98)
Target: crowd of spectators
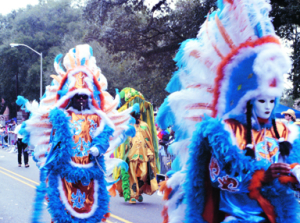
(165,139)
(7,132)
(10,140)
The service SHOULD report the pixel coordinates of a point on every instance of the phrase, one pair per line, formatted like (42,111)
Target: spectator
(21,147)
(289,115)
(164,141)
(3,134)
(13,125)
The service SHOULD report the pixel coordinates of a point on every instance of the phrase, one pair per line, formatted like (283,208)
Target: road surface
(17,192)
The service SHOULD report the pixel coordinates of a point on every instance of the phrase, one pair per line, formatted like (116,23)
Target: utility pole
(17,87)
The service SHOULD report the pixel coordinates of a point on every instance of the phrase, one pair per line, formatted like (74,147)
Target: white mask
(263,106)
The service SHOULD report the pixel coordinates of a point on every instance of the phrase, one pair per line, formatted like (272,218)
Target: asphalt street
(17,192)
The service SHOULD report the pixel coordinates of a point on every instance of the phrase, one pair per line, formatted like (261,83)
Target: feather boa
(125,184)
(38,201)
(61,167)
(211,137)
(294,156)
(21,101)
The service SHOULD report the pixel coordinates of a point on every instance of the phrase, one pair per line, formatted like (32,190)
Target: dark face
(136,117)
(80,102)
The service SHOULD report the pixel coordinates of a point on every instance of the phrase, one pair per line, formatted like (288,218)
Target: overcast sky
(9,5)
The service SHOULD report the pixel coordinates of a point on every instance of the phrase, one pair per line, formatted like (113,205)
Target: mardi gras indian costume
(140,151)
(234,162)
(75,129)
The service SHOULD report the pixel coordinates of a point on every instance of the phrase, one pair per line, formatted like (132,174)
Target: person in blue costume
(245,161)
(236,163)
(75,129)
(245,157)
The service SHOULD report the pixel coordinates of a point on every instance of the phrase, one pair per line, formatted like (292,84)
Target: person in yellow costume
(142,167)
(144,162)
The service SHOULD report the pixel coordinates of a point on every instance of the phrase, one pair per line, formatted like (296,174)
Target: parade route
(18,191)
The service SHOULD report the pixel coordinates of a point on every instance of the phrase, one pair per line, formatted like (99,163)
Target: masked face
(263,106)
(80,102)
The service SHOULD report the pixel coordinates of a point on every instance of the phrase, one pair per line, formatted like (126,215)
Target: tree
(149,37)
(286,21)
(46,27)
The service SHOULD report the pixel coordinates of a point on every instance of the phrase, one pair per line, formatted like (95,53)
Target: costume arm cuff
(102,140)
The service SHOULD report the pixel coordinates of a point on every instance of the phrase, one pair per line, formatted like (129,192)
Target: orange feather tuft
(165,189)
(254,193)
(287,179)
(293,165)
(165,215)
(107,215)
(112,190)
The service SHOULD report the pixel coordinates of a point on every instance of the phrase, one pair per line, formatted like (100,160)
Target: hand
(94,151)
(276,170)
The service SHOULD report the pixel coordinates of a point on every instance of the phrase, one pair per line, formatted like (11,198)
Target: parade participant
(75,130)
(142,167)
(289,115)
(236,167)
(21,147)
(140,151)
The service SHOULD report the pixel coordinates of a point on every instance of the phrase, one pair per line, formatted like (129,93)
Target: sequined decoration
(77,126)
(93,127)
(81,148)
(78,199)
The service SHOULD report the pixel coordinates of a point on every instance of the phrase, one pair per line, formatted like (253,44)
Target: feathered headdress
(81,77)
(235,58)
(77,73)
